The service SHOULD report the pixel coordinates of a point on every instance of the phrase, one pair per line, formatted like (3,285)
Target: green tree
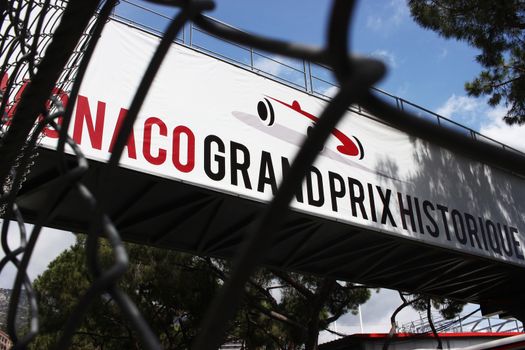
(171,290)
(316,302)
(279,310)
(448,309)
(497,28)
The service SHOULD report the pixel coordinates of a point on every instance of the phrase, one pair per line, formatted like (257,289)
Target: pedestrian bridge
(215,137)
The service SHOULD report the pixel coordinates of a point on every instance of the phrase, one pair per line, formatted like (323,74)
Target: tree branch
(98,335)
(431,323)
(495,86)
(299,287)
(393,318)
(334,332)
(278,316)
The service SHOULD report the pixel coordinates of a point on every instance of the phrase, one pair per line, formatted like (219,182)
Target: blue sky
(424,68)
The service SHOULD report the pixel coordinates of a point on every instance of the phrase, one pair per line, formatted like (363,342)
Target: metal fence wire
(45,47)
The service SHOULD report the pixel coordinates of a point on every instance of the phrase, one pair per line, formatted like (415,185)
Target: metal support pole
(191,34)
(305,76)
(360,318)
(251,57)
(310,74)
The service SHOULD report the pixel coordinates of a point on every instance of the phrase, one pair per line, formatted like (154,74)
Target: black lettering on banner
(444,210)
(236,165)
(309,187)
(418,215)
(266,173)
(406,211)
(285,165)
(336,193)
(483,235)
(434,230)
(472,230)
(492,236)
(385,200)
(499,238)
(218,158)
(357,200)
(372,202)
(460,233)
(507,249)
(516,243)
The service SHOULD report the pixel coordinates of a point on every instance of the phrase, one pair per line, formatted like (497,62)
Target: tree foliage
(497,28)
(316,302)
(280,310)
(448,308)
(158,281)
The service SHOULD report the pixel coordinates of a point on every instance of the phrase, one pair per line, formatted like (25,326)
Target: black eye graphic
(309,134)
(265,111)
(309,130)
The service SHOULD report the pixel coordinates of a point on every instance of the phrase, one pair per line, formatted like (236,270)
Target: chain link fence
(45,47)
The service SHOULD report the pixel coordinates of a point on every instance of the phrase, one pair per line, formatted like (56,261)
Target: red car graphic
(347,146)
(348,152)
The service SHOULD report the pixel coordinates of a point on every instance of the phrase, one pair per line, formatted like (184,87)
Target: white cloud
(376,315)
(460,107)
(49,245)
(385,56)
(392,16)
(275,64)
(375,23)
(497,129)
(443,53)
(288,69)
(400,11)
(268,65)
(331,91)
(402,90)
(478,115)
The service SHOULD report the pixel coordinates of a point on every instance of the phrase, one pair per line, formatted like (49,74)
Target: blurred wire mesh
(45,47)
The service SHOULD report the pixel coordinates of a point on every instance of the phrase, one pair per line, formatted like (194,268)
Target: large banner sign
(214,125)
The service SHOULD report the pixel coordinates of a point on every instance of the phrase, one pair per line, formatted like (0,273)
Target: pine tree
(279,310)
(497,28)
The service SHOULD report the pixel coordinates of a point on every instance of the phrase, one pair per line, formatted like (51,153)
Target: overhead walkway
(441,224)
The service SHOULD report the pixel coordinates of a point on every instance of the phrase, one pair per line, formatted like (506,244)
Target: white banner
(214,125)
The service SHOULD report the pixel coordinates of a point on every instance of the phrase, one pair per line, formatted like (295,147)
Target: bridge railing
(300,74)
(462,324)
